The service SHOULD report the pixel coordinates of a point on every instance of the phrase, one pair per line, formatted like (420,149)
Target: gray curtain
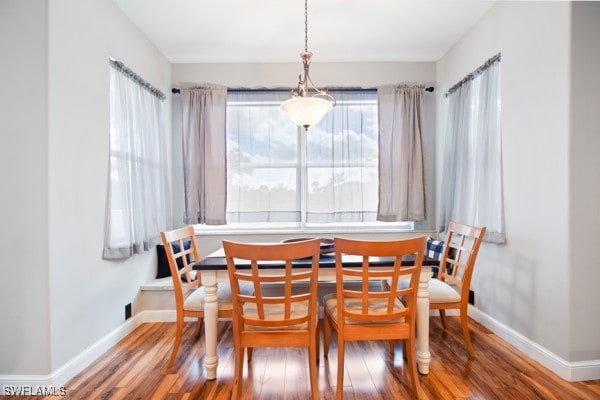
(401,159)
(204,154)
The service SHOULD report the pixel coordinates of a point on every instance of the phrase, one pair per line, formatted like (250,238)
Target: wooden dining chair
(282,320)
(189,292)
(368,314)
(451,289)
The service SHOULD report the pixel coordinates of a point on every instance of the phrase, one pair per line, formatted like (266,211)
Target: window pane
(262,195)
(342,161)
(349,133)
(344,194)
(262,159)
(258,131)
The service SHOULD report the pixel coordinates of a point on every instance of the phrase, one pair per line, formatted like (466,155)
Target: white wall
(525,284)
(325,75)
(24,340)
(87,293)
(584,178)
(58,295)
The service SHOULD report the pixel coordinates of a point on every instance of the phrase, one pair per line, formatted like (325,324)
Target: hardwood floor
(135,368)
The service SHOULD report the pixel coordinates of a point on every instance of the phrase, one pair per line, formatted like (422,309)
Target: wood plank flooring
(135,368)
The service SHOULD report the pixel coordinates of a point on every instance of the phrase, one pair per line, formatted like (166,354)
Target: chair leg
(443,318)
(326,336)
(200,322)
(464,322)
(392,346)
(249,352)
(312,366)
(178,333)
(318,339)
(412,366)
(238,372)
(339,390)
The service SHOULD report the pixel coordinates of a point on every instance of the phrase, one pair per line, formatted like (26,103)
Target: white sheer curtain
(204,154)
(138,206)
(341,161)
(472,175)
(263,162)
(401,155)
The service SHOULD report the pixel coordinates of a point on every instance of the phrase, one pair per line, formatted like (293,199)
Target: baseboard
(570,371)
(38,384)
(54,383)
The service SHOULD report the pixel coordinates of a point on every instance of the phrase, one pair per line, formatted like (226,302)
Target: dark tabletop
(325,261)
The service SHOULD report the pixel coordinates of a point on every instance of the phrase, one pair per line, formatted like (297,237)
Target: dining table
(213,270)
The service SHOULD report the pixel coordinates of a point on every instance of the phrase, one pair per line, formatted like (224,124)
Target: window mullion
(302,175)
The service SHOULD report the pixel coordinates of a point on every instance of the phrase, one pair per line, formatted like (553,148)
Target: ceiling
(231,31)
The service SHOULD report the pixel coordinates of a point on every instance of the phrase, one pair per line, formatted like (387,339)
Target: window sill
(328,231)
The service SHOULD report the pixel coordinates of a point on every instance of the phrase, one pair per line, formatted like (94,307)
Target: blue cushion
(435,249)
(163,269)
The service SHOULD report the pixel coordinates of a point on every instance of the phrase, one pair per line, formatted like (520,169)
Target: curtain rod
(119,66)
(177,90)
(473,74)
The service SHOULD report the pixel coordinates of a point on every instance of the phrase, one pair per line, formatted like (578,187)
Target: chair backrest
(366,298)
(460,252)
(258,311)
(182,252)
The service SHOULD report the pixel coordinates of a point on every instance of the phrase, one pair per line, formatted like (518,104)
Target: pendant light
(303,108)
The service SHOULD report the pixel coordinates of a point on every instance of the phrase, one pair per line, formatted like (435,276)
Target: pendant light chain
(305,109)
(306,25)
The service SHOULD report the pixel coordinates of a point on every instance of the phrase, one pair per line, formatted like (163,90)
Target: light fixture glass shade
(306,111)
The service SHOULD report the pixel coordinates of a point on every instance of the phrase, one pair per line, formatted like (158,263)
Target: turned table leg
(211,308)
(423,354)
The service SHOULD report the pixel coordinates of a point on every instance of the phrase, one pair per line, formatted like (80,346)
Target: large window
(279,175)
(138,203)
